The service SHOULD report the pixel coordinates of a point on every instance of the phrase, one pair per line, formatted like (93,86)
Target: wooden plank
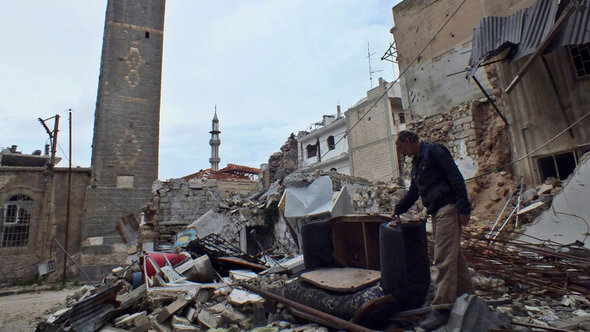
(344,280)
(242,262)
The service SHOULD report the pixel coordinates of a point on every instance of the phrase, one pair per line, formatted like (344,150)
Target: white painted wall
(336,158)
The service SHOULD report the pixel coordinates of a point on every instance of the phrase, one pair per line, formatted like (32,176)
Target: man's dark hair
(408,135)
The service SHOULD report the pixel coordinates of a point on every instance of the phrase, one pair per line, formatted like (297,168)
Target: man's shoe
(435,319)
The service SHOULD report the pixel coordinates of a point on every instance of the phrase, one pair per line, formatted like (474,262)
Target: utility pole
(68,202)
(50,192)
(53,139)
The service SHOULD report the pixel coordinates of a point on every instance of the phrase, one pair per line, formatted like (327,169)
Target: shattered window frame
(15,221)
(559,164)
(580,57)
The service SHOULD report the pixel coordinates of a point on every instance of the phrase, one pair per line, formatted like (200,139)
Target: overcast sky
(272,67)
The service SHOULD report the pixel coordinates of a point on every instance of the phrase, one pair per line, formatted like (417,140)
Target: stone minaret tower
(127,117)
(215,142)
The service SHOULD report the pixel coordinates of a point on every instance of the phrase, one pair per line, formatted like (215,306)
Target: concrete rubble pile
(196,278)
(169,301)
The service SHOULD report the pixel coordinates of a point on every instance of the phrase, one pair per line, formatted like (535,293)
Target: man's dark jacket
(435,178)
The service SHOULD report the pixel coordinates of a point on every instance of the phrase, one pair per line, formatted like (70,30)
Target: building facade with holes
(324,147)
(33,215)
(548,110)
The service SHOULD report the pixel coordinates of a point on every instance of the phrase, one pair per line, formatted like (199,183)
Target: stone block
(97,249)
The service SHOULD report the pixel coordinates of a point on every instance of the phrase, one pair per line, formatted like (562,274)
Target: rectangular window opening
(558,166)
(580,55)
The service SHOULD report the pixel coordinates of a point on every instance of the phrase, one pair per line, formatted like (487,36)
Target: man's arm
(408,200)
(447,164)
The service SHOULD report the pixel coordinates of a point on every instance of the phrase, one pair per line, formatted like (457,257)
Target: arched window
(15,222)
(331,144)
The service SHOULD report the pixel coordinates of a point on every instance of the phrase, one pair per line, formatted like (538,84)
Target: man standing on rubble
(436,178)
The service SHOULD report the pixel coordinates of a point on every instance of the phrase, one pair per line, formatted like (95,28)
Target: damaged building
(220,248)
(324,147)
(34,219)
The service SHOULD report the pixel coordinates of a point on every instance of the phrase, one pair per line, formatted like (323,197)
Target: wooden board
(242,262)
(346,279)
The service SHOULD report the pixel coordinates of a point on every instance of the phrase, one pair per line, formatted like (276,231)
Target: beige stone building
(372,125)
(34,215)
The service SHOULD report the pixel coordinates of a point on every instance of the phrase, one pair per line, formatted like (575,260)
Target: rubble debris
(470,313)
(539,267)
(536,284)
(566,221)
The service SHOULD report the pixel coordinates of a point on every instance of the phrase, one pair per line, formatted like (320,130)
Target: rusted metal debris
(529,267)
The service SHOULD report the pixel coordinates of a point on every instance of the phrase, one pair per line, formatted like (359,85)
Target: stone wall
(177,203)
(474,133)
(48,218)
(230,188)
(283,163)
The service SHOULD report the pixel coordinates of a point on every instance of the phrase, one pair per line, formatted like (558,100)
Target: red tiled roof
(231,172)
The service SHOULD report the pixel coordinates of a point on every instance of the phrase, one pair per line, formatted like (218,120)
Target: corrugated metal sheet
(89,314)
(577,28)
(538,20)
(526,29)
(494,35)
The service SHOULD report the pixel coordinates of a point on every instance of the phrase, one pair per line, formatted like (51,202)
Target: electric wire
(418,56)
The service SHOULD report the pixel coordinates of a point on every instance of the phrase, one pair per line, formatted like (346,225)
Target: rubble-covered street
(204,282)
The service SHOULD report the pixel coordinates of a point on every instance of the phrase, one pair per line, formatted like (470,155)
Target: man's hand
(395,220)
(464,219)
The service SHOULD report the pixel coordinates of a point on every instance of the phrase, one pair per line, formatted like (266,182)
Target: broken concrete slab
(471,313)
(210,222)
(134,320)
(242,297)
(242,275)
(172,308)
(210,320)
(197,270)
(567,219)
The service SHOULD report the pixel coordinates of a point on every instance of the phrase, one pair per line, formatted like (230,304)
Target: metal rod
(503,225)
(489,99)
(73,260)
(539,326)
(501,213)
(559,101)
(518,202)
(338,323)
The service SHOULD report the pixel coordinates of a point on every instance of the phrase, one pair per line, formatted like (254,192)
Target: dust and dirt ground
(22,312)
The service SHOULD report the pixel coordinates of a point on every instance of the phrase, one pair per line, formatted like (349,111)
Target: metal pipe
(312,313)
(73,260)
(536,326)
(518,202)
(490,99)
(501,213)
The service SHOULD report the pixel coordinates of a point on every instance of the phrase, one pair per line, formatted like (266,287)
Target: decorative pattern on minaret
(215,142)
